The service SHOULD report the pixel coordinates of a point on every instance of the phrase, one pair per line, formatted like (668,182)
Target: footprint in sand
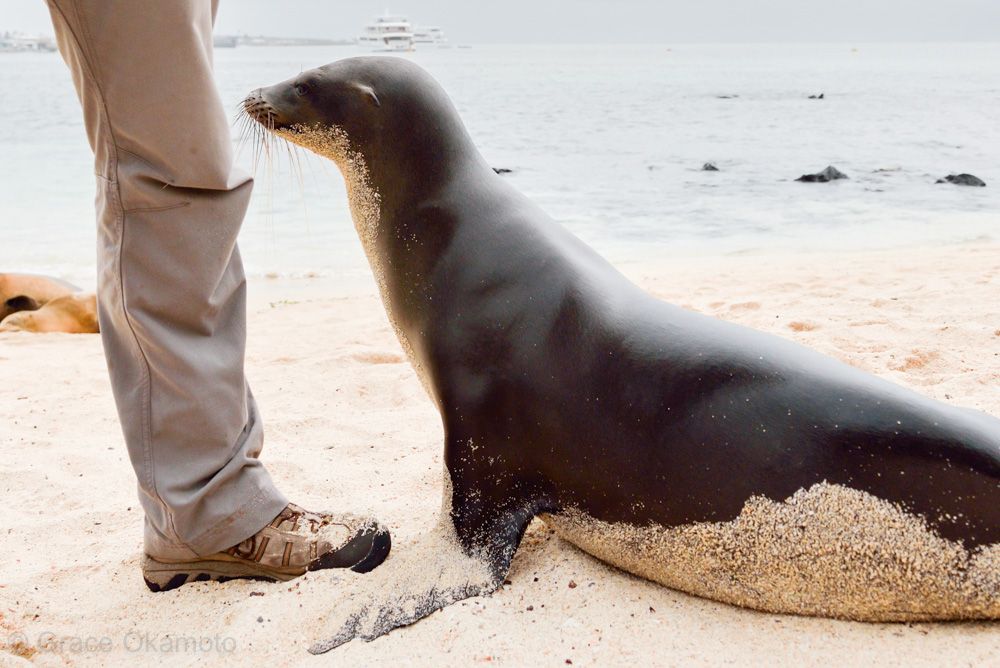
(868,323)
(799,326)
(378,358)
(917,360)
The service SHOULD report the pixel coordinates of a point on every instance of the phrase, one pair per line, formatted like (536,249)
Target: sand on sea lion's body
(828,551)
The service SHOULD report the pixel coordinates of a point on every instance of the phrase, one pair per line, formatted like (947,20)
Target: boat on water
(430,35)
(389,32)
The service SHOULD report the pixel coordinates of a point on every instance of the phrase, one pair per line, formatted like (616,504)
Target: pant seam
(168,182)
(155,209)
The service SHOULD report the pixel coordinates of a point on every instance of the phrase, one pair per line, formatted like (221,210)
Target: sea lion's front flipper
(420,578)
(485,511)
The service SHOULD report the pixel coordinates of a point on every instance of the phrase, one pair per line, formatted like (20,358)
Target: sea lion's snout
(296,102)
(258,106)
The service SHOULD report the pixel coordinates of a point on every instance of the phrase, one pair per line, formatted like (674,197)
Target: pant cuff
(252,516)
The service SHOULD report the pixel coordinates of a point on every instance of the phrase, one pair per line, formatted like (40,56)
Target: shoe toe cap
(361,553)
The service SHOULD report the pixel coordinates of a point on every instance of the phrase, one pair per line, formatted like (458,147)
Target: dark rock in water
(709,167)
(502,170)
(727,97)
(831,173)
(963,180)
(821,96)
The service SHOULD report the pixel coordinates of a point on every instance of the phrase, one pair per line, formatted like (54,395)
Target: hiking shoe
(294,542)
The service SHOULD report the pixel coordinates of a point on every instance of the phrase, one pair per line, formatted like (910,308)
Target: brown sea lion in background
(73,314)
(30,292)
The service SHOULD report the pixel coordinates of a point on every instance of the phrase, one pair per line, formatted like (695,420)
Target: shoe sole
(160,576)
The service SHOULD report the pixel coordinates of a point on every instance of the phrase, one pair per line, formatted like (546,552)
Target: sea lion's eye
(301,89)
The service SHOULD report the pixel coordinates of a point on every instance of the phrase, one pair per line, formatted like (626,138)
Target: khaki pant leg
(171,288)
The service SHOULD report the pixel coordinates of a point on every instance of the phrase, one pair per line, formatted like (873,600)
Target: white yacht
(388,33)
(429,35)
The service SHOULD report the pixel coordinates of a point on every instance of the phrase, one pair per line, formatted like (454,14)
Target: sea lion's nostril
(253,101)
(257,108)
(265,114)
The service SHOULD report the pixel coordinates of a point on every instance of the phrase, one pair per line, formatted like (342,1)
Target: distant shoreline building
(16,42)
(232,41)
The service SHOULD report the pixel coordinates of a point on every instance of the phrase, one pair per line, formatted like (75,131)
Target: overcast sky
(615,21)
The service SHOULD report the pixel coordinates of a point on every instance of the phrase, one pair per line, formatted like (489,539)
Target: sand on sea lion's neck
(332,142)
(365,201)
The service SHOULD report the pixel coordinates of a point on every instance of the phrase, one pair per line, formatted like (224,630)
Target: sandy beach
(348,426)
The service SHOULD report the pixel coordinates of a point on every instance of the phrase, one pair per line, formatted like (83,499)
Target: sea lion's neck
(398,200)
(389,183)
(409,175)
(414,231)
(395,206)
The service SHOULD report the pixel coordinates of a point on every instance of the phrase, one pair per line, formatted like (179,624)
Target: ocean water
(608,139)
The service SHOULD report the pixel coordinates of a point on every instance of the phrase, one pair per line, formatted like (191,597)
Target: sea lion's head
(381,114)
(17,303)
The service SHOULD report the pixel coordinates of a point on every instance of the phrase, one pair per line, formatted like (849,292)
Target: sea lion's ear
(21,303)
(369,93)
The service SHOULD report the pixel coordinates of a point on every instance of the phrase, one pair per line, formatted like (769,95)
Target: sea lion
(29,292)
(710,457)
(72,314)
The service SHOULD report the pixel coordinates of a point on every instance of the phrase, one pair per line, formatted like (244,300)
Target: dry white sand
(348,426)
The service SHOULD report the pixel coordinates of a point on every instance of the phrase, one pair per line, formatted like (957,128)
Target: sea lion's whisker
(295,168)
(242,123)
(258,141)
(296,163)
(265,130)
(251,136)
